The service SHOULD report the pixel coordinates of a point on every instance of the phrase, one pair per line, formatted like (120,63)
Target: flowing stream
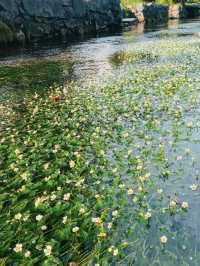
(105,57)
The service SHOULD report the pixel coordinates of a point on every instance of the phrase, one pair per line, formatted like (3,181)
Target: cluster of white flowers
(48,250)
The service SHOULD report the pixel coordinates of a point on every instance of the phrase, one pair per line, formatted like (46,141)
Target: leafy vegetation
(33,76)
(91,175)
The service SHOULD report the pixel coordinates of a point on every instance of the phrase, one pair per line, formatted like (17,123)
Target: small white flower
(160,191)
(82,211)
(53,197)
(163,240)
(96,220)
(115,213)
(47,250)
(27,254)
(185,205)
(172,204)
(121,185)
(71,164)
(44,227)
(18,216)
(115,252)
(130,191)
(46,166)
(18,248)
(125,135)
(17,152)
(110,249)
(66,197)
(110,225)
(147,216)
(102,152)
(39,217)
(75,229)
(190,124)
(194,187)
(64,219)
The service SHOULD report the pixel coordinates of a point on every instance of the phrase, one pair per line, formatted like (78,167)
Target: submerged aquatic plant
(101,175)
(123,57)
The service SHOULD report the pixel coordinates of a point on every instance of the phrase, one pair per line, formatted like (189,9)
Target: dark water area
(91,56)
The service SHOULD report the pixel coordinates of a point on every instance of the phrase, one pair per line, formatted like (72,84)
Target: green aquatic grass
(36,74)
(32,76)
(123,57)
(105,174)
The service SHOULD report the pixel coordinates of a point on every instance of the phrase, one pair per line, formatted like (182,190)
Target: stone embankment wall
(27,20)
(152,13)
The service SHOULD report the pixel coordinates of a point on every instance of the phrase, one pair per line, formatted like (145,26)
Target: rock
(49,19)
(176,12)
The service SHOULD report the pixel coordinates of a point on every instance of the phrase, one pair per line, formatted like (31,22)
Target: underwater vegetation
(106,173)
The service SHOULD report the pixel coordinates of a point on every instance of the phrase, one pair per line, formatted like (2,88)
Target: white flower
(46,166)
(77,154)
(35,110)
(64,219)
(163,240)
(172,204)
(44,227)
(81,211)
(125,135)
(27,254)
(115,252)
(71,164)
(190,124)
(52,197)
(57,147)
(102,152)
(121,185)
(110,249)
(96,220)
(160,191)
(147,216)
(115,213)
(110,225)
(47,250)
(18,248)
(185,205)
(75,229)
(193,187)
(39,217)
(17,152)
(66,197)
(18,216)
(24,176)
(130,191)
(179,158)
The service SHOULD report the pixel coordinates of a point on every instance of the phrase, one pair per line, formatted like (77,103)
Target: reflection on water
(91,57)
